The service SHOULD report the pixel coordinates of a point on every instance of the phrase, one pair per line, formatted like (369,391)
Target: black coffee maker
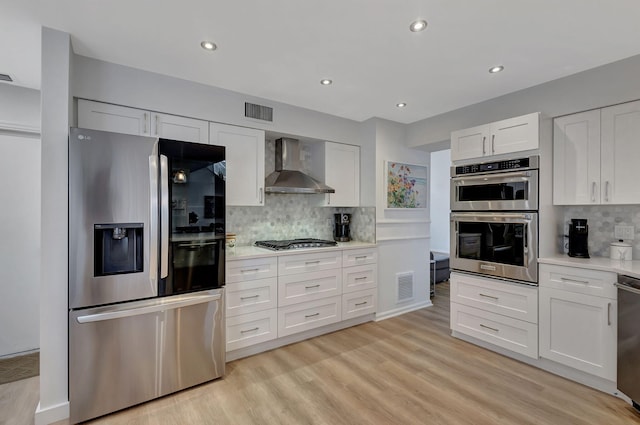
(341,232)
(578,238)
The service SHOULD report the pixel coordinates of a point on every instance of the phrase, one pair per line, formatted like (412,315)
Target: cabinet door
(180,128)
(576,159)
(119,119)
(343,174)
(245,163)
(579,331)
(469,143)
(620,152)
(514,134)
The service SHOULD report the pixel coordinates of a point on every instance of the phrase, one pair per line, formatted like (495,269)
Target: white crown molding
(19,128)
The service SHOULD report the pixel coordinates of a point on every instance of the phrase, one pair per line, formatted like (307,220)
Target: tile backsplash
(601,220)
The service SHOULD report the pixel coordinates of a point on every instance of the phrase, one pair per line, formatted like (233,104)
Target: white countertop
(629,268)
(245,252)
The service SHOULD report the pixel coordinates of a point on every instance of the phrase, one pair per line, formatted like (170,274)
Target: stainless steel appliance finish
(146,314)
(501,244)
(629,337)
(295,244)
(287,177)
(128,353)
(510,185)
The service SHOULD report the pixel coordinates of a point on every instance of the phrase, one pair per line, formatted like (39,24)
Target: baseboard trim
(402,310)
(51,414)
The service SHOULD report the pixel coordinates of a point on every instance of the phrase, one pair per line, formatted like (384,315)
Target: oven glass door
(502,191)
(496,244)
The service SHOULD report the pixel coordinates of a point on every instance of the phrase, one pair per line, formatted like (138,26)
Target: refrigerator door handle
(152,308)
(153,220)
(164,216)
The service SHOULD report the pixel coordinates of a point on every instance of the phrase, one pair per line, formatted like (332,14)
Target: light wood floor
(404,370)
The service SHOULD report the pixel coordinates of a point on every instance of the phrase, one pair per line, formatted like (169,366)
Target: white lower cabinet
(309,315)
(502,313)
(579,329)
(249,329)
(303,287)
(359,303)
(251,296)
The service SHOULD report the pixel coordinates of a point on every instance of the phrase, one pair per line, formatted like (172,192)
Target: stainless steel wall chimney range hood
(287,178)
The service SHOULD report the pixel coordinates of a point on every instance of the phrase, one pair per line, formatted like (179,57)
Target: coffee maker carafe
(341,232)
(578,238)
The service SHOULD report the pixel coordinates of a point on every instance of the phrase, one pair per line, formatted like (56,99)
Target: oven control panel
(497,166)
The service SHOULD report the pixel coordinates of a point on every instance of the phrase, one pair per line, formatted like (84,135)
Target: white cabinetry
(338,166)
(359,282)
(500,137)
(594,156)
(501,313)
(245,163)
(121,119)
(578,319)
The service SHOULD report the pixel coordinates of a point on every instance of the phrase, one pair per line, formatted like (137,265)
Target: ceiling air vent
(259,112)
(5,77)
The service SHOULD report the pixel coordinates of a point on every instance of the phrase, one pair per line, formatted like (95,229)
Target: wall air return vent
(404,281)
(5,77)
(259,112)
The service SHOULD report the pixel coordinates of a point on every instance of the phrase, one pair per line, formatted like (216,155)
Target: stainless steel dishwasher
(629,337)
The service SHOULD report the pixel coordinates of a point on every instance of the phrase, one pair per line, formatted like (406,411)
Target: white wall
(19,108)
(439,195)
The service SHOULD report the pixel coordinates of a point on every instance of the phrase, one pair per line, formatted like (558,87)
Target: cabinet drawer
(252,328)
(303,263)
(251,269)
(357,257)
(512,334)
(509,299)
(355,304)
(313,314)
(584,281)
(251,296)
(359,277)
(298,288)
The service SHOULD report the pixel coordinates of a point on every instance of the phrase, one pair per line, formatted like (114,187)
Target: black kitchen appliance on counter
(578,238)
(294,244)
(341,231)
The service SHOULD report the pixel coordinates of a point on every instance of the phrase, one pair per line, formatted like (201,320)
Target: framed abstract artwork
(405,185)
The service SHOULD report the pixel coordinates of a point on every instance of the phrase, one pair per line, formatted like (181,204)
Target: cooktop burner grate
(295,244)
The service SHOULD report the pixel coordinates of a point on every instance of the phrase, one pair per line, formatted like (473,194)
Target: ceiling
(281,49)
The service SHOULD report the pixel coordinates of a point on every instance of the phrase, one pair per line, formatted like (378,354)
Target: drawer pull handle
(249,270)
(312,286)
(566,279)
(489,296)
(608,314)
(248,298)
(308,263)
(306,316)
(361,257)
(249,330)
(361,278)
(362,303)
(489,327)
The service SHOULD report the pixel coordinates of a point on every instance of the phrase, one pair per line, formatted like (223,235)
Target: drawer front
(583,281)
(299,288)
(509,299)
(304,263)
(512,334)
(359,278)
(251,269)
(251,296)
(355,304)
(313,314)
(252,328)
(358,257)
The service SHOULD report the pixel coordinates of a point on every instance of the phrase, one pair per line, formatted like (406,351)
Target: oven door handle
(499,217)
(494,178)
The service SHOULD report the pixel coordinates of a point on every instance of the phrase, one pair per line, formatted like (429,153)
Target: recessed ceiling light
(495,69)
(326,82)
(208,45)
(418,25)
(401,105)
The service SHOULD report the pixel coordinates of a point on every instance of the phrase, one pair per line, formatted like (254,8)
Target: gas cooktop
(295,244)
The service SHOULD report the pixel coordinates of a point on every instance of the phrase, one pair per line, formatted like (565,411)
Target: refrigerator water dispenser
(118,248)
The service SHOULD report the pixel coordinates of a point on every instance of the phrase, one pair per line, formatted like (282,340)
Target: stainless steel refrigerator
(146,269)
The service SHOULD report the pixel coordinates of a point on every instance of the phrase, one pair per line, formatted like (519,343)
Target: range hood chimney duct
(287,178)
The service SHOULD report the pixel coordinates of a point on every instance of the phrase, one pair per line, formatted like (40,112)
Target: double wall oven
(494,219)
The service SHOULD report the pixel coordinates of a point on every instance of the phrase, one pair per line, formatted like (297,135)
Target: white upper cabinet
(576,159)
(245,163)
(338,166)
(595,156)
(121,119)
(507,136)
